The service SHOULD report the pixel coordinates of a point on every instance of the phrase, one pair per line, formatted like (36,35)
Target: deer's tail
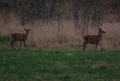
(13,36)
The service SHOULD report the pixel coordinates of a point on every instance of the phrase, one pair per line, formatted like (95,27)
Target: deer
(19,37)
(93,39)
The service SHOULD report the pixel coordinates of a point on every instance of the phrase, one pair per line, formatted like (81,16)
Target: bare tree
(87,12)
(84,12)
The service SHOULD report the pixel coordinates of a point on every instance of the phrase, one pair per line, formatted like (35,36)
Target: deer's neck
(26,35)
(99,36)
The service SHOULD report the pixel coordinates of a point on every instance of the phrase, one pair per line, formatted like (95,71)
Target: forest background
(60,24)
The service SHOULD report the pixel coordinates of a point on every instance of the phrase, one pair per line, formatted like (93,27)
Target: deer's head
(101,31)
(27,30)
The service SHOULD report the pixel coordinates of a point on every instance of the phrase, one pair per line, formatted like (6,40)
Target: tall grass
(47,36)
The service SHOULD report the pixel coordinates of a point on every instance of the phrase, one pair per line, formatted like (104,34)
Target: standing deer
(19,37)
(93,39)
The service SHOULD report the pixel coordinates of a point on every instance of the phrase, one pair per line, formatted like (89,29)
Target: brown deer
(19,37)
(93,39)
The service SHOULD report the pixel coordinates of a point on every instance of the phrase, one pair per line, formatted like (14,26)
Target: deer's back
(91,39)
(18,36)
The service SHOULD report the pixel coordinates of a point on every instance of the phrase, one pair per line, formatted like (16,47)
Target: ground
(47,65)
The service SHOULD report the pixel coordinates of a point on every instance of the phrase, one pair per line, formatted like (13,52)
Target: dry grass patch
(101,65)
(47,36)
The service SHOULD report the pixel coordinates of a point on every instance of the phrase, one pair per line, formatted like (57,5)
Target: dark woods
(88,13)
(83,12)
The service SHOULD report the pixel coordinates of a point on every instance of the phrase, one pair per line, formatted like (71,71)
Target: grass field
(44,65)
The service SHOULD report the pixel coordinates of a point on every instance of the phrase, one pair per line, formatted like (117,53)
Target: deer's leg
(12,44)
(20,44)
(96,47)
(24,45)
(100,46)
(84,44)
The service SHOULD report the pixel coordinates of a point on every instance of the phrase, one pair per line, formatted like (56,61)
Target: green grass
(42,65)
(4,42)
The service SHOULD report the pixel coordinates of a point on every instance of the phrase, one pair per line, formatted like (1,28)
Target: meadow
(53,55)
(48,65)
(54,50)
